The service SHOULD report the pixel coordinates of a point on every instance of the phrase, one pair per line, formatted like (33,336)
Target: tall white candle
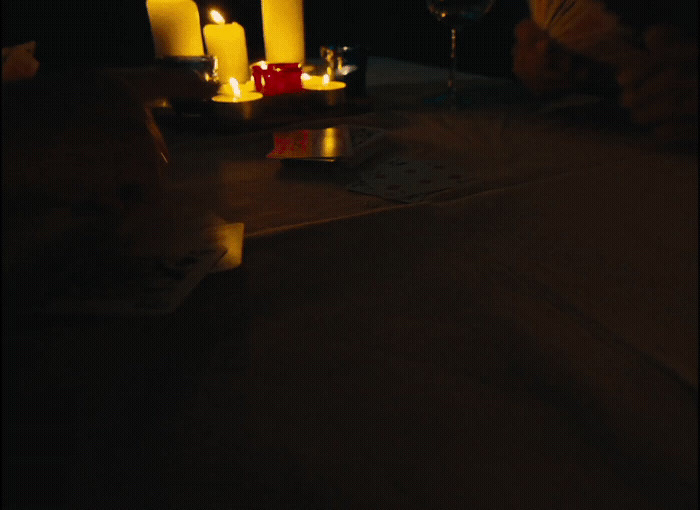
(175,27)
(228,44)
(283,29)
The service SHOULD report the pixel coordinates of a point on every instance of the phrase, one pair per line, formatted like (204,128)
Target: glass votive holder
(349,64)
(204,66)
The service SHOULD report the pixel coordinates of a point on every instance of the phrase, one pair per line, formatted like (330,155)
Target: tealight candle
(228,44)
(320,83)
(283,30)
(232,92)
(236,102)
(175,27)
(333,92)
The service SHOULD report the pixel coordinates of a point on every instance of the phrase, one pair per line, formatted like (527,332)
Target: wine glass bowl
(457,13)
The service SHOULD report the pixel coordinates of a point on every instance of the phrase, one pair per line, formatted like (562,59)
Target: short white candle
(233,93)
(228,44)
(283,30)
(175,27)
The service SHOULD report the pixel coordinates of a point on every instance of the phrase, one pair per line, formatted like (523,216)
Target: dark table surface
(529,339)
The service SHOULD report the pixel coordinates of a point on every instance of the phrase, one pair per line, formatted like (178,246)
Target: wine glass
(456,13)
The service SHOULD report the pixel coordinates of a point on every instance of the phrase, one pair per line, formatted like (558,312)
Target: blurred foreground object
(570,43)
(81,158)
(86,141)
(661,90)
(588,28)
(545,66)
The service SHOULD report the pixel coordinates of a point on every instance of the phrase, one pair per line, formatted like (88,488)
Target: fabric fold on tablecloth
(476,350)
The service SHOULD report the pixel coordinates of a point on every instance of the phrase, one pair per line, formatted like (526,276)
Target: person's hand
(538,61)
(662,90)
(105,155)
(112,149)
(18,62)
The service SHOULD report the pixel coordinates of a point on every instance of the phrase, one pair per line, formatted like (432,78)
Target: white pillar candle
(175,27)
(228,44)
(283,29)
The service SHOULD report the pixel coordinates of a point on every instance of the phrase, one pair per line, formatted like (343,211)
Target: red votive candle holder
(273,79)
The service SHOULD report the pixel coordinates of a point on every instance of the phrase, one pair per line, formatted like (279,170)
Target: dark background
(81,33)
(117,33)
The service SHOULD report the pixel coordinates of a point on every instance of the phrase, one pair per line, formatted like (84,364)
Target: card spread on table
(407,180)
(349,145)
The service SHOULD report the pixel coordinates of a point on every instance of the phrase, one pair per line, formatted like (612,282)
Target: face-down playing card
(327,144)
(348,145)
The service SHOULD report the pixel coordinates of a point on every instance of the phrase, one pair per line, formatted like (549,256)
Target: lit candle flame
(216,17)
(234,86)
(326,79)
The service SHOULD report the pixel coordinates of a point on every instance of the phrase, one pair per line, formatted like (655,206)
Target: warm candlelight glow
(175,28)
(216,17)
(234,86)
(227,42)
(233,93)
(331,139)
(283,30)
(321,83)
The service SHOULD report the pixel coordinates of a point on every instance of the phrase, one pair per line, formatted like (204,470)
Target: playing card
(349,145)
(317,144)
(589,28)
(407,180)
(365,143)
(135,285)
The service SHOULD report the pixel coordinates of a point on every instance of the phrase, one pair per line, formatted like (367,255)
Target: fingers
(538,61)
(29,47)
(634,73)
(662,90)
(661,98)
(18,62)
(665,37)
(683,132)
(668,81)
(662,108)
(528,33)
(19,68)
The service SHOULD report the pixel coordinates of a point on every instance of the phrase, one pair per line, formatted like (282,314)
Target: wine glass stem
(451,81)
